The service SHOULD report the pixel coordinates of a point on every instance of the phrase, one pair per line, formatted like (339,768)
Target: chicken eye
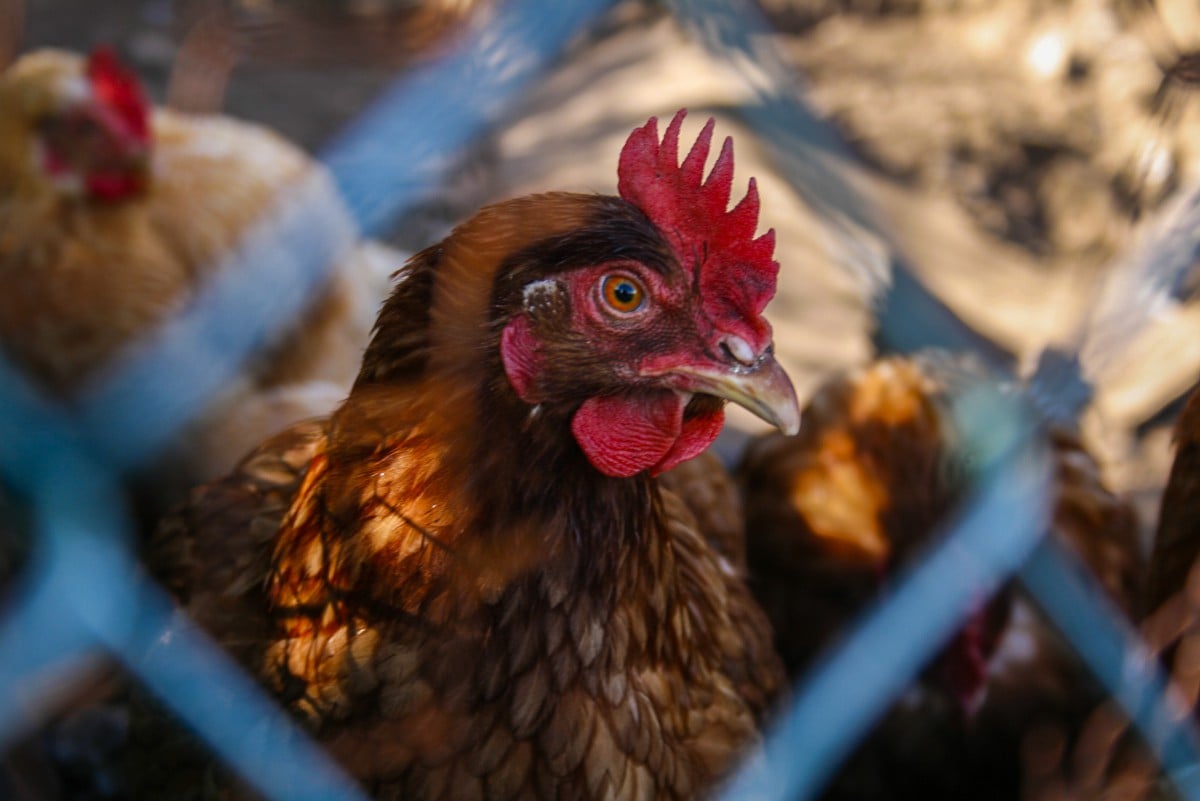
(622,293)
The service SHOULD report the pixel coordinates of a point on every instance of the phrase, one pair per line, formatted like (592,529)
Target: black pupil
(625,293)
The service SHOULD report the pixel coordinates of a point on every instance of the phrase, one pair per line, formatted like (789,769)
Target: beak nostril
(739,350)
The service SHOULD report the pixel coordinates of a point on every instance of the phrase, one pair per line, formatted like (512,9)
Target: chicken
(834,513)
(1176,546)
(1172,625)
(468,582)
(1108,760)
(115,215)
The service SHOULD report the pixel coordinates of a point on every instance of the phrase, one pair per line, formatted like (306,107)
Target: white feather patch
(539,295)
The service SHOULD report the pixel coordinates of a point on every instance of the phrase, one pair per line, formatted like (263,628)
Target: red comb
(734,267)
(119,89)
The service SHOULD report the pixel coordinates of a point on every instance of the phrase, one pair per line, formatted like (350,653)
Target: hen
(115,215)
(832,515)
(1176,544)
(468,582)
(1109,761)
(1173,615)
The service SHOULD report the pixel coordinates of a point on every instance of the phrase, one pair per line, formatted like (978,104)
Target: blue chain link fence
(82,595)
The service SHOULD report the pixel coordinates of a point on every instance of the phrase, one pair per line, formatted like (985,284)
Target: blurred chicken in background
(1177,539)
(115,214)
(834,514)
(1106,760)
(1172,604)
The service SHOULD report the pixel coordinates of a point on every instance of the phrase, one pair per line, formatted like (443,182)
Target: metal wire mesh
(82,593)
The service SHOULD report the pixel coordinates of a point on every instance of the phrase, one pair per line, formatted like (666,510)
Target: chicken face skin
(649,380)
(87,121)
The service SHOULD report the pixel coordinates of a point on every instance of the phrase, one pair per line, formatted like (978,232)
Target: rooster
(832,515)
(468,582)
(115,214)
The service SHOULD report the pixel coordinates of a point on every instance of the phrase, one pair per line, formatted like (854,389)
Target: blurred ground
(1011,145)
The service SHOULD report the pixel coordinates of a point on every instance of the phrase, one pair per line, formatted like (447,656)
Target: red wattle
(697,434)
(963,664)
(113,186)
(623,435)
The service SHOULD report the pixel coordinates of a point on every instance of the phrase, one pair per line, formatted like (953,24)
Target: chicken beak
(763,389)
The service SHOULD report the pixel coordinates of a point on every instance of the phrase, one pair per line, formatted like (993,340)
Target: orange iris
(622,292)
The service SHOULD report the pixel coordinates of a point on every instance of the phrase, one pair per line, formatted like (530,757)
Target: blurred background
(1012,145)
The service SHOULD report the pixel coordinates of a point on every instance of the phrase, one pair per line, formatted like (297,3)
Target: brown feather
(1176,545)
(836,512)
(1107,759)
